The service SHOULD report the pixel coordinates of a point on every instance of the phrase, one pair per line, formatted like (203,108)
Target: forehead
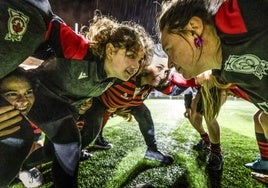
(15,83)
(139,52)
(159,61)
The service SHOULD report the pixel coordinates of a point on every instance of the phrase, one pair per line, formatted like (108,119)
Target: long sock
(263,145)
(216,148)
(205,137)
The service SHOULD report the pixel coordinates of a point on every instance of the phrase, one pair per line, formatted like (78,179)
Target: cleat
(258,165)
(101,143)
(215,162)
(32,178)
(85,155)
(158,156)
(202,145)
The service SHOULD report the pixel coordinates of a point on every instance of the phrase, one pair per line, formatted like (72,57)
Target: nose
(162,74)
(135,67)
(22,99)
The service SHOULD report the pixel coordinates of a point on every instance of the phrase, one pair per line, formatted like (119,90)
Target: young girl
(17,89)
(229,37)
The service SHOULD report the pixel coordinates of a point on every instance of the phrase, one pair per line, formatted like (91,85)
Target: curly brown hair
(125,35)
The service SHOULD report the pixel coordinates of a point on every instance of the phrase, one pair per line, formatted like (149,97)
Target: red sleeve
(239,92)
(74,46)
(65,42)
(168,89)
(229,19)
(179,80)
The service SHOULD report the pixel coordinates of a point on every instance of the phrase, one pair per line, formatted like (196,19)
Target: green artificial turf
(124,165)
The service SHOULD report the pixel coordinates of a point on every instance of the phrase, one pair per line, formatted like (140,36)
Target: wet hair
(174,17)
(211,92)
(125,35)
(176,13)
(148,45)
(158,51)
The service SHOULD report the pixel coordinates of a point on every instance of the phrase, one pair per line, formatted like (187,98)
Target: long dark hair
(176,14)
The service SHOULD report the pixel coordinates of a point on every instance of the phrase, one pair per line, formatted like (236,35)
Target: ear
(196,24)
(109,50)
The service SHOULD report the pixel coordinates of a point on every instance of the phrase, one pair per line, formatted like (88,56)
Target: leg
(215,161)
(101,142)
(146,125)
(196,119)
(93,122)
(260,122)
(13,151)
(56,120)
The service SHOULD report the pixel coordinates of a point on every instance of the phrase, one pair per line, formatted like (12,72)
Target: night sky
(81,11)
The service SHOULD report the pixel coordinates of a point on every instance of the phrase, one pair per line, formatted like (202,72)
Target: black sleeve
(188,96)
(44,8)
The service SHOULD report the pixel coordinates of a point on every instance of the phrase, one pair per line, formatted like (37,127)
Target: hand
(8,118)
(86,105)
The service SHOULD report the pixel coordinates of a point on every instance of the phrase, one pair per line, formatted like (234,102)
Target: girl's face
(124,64)
(156,71)
(182,54)
(19,93)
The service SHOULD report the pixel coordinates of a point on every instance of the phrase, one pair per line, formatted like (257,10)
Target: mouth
(23,108)
(130,73)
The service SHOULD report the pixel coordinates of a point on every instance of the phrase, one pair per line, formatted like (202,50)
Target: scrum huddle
(111,67)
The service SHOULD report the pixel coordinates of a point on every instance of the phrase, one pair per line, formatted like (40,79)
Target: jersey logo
(82,75)
(17,25)
(247,64)
(136,92)
(124,96)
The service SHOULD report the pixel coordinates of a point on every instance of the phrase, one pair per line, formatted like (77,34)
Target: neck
(143,80)
(107,68)
(212,50)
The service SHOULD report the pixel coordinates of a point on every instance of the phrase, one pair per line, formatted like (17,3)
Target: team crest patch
(17,25)
(247,64)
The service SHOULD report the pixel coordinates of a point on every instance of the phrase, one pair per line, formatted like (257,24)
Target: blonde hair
(211,92)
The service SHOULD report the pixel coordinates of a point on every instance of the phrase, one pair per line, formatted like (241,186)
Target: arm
(65,42)
(62,39)
(176,84)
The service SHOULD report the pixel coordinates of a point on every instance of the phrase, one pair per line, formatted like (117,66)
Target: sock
(205,137)
(215,148)
(263,145)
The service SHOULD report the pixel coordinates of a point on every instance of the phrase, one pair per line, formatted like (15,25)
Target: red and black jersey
(243,29)
(131,93)
(126,94)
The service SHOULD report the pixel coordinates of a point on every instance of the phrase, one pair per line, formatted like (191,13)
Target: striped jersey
(126,94)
